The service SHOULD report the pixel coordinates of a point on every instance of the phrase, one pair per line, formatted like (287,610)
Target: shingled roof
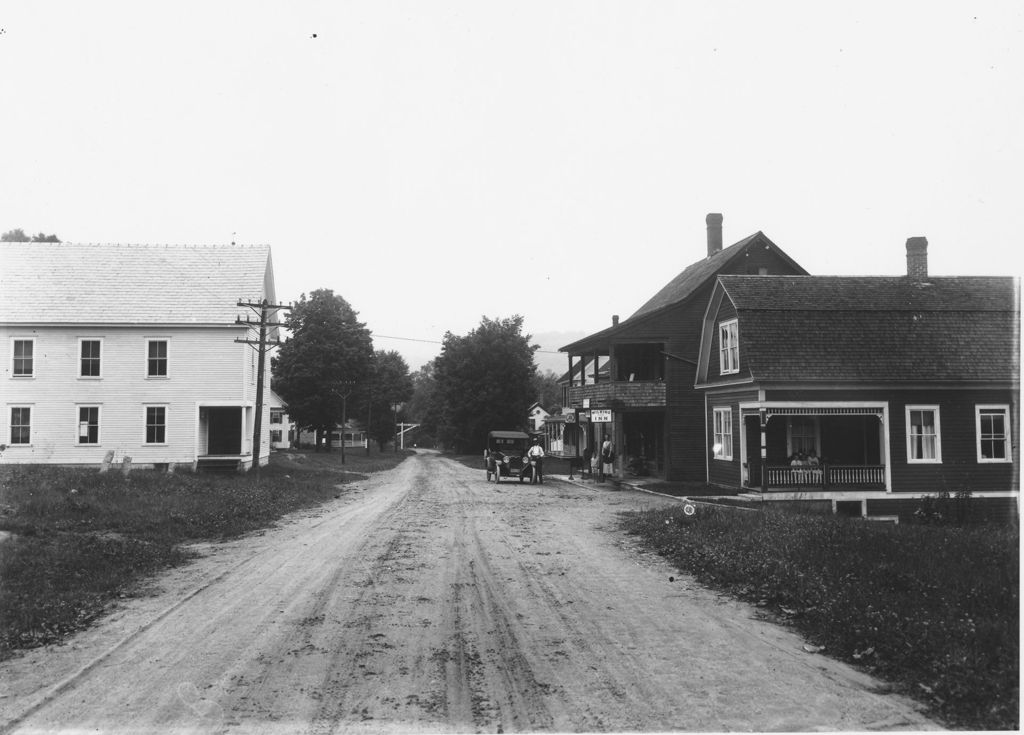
(684,285)
(809,328)
(67,283)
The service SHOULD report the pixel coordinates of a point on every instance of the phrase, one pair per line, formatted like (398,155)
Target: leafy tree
(484,382)
(328,357)
(548,391)
(18,235)
(423,407)
(389,384)
(15,236)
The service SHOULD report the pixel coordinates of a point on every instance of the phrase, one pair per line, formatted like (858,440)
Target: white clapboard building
(111,352)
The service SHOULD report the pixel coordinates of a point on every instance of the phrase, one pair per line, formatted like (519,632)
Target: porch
(812,446)
(825,476)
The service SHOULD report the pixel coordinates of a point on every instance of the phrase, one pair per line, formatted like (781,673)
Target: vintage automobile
(505,455)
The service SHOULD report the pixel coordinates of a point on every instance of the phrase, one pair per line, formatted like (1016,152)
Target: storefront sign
(601,415)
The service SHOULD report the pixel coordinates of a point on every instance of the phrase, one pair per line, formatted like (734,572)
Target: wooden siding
(728,473)
(959,468)
(205,365)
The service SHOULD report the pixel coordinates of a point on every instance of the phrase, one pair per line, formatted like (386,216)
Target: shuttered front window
(924,439)
(993,431)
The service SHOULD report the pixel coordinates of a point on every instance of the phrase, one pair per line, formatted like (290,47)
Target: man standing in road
(536,454)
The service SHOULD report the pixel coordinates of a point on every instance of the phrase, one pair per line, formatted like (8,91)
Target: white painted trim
(99,424)
(145,358)
(934,408)
(31,424)
(725,411)
(724,325)
(32,339)
(145,423)
(992,407)
(78,358)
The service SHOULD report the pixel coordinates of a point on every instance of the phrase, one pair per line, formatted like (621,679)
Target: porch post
(763,414)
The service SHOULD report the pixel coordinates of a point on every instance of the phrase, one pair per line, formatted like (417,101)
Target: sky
(437,162)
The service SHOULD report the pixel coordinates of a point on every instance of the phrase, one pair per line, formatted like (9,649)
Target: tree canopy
(387,385)
(328,357)
(18,235)
(549,392)
(483,381)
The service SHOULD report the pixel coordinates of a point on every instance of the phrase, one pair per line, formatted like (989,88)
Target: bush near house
(75,539)
(932,609)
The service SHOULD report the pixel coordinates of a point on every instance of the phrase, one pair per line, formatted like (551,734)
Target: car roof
(509,435)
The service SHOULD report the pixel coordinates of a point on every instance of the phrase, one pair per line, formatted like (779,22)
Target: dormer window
(729,347)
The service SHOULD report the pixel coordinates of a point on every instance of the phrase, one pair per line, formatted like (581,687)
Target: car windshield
(501,444)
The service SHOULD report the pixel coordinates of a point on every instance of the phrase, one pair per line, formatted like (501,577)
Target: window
(803,435)
(993,431)
(156,358)
(90,358)
(22,351)
(276,416)
(275,436)
(21,425)
(88,424)
(723,433)
(924,440)
(156,424)
(729,347)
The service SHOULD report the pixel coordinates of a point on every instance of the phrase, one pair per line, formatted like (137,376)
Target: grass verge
(932,610)
(73,539)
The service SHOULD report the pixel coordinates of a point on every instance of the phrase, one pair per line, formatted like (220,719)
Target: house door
(752,427)
(225,430)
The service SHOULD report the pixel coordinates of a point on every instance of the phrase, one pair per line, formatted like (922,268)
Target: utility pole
(261,345)
(347,385)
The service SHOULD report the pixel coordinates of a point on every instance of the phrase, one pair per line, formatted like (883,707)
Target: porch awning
(770,411)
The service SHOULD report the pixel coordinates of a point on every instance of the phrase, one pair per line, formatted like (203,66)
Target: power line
(436,342)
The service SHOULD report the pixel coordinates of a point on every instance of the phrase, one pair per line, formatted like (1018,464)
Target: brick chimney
(917,259)
(615,320)
(714,221)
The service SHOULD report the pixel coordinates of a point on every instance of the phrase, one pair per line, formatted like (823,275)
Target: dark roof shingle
(877,328)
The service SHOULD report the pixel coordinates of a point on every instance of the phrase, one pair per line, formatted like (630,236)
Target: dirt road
(427,599)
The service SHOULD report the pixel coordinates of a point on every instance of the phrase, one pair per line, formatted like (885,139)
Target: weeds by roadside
(76,539)
(933,610)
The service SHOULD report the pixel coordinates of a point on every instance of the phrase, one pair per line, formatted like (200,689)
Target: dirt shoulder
(426,599)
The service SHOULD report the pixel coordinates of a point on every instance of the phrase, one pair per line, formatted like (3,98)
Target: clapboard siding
(959,468)
(205,365)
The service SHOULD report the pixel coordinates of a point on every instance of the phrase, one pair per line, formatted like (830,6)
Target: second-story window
(90,358)
(729,347)
(156,358)
(22,351)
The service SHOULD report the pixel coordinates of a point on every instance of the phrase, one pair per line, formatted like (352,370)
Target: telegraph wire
(438,342)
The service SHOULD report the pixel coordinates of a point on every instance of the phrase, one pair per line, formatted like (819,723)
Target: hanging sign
(601,415)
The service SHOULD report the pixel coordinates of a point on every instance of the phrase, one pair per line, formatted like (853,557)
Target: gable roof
(68,283)
(686,284)
(864,328)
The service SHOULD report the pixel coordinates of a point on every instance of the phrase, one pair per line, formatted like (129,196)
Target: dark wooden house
(645,385)
(868,391)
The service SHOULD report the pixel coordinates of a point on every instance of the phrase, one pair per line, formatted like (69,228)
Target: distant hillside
(548,357)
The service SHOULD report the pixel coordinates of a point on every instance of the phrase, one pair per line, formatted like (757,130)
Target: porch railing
(826,476)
